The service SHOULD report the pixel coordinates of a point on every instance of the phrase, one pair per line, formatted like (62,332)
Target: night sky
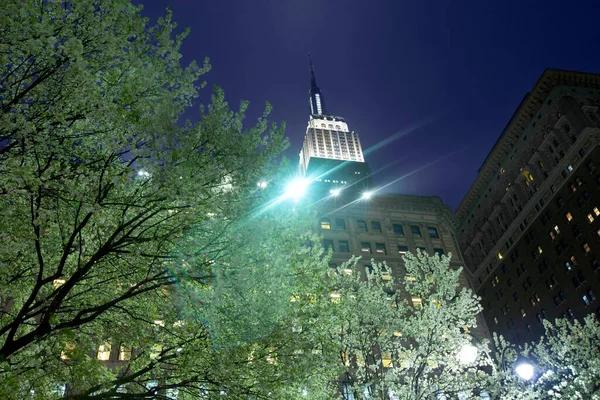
(438,79)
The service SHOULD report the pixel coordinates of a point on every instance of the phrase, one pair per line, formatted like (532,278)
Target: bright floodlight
(295,189)
(525,370)
(142,173)
(366,195)
(335,192)
(467,354)
(262,184)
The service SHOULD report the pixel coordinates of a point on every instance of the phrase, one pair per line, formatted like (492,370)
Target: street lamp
(467,354)
(296,189)
(525,370)
(366,195)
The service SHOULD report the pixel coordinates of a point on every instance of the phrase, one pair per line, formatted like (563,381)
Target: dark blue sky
(456,69)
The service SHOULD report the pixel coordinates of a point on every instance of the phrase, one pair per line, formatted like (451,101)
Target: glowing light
(525,370)
(467,354)
(262,184)
(366,195)
(335,192)
(296,189)
(142,173)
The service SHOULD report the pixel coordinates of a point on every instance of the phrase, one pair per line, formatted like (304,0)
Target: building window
(569,216)
(124,353)
(590,218)
(104,352)
(365,247)
(362,225)
(417,302)
(343,246)
(375,226)
(340,224)
(380,248)
(438,251)
(596,211)
(386,359)
(398,229)
(586,248)
(325,224)
(433,232)
(588,298)
(551,282)
(328,244)
(415,230)
(422,249)
(402,249)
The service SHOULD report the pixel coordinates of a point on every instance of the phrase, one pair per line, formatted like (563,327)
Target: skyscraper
(529,226)
(364,222)
(331,154)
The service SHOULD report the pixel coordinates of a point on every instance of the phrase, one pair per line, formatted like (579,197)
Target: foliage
(400,336)
(566,363)
(120,225)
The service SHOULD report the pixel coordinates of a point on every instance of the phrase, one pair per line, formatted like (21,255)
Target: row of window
(343,246)
(375,226)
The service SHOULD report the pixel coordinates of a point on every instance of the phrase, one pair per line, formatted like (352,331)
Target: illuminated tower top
(330,147)
(317,103)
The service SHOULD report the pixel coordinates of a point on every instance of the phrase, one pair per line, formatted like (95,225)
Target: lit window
(104,352)
(556,229)
(365,247)
(380,248)
(410,278)
(433,232)
(340,224)
(58,283)
(347,271)
(569,216)
(568,266)
(590,218)
(540,250)
(335,297)
(326,224)
(69,349)
(596,211)
(417,302)
(500,257)
(124,353)
(386,359)
(402,249)
(586,247)
(386,276)
(527,175)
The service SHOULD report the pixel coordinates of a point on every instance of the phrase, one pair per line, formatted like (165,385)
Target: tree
(402,337)
(126,234)
(565,359)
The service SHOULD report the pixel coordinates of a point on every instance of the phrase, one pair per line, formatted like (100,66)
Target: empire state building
(331,152)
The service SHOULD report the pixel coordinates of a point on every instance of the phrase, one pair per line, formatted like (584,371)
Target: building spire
(317,105)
